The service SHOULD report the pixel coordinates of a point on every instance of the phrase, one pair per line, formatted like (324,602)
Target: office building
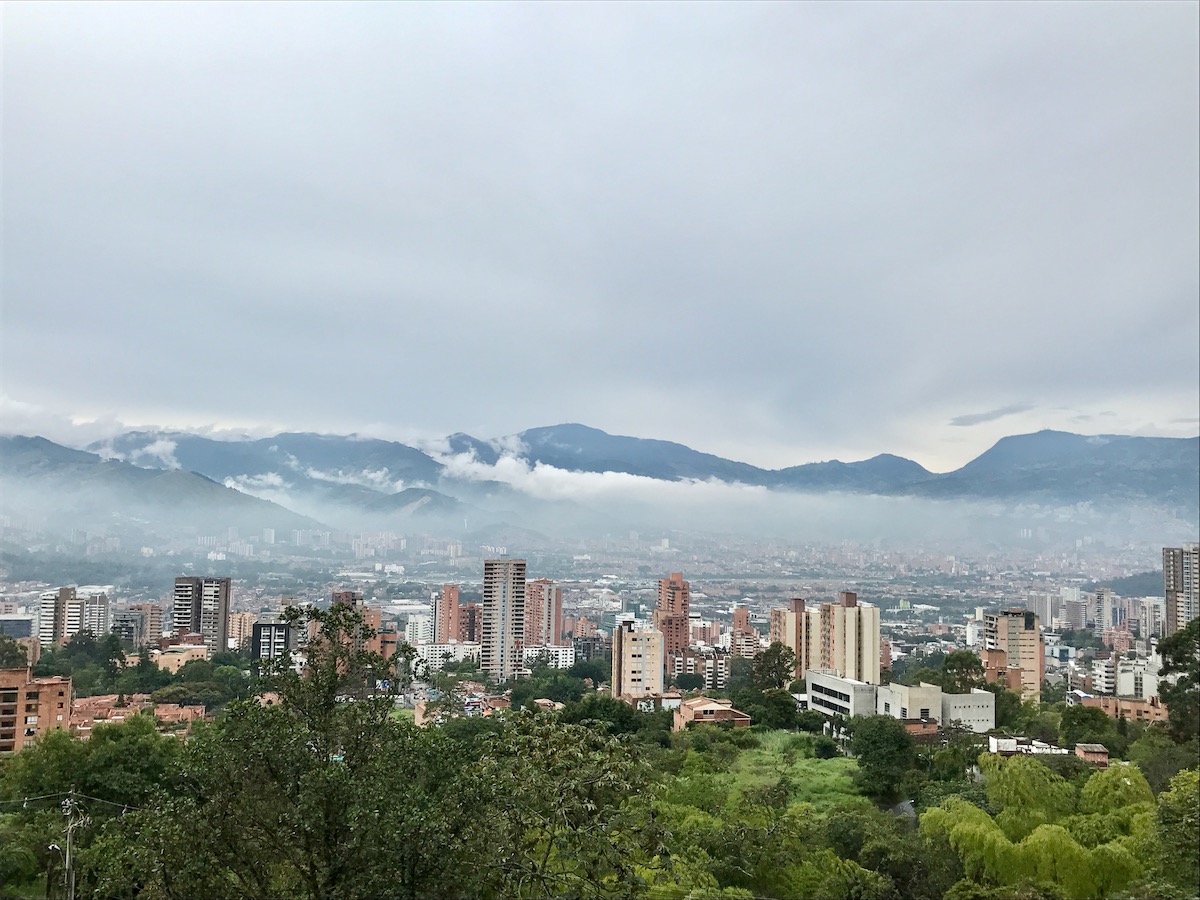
(502,619)
(201,606)
(543,613)
(446,615)
(637,660)
(1017,634)
(831,694)
(1181,586)
(673,612)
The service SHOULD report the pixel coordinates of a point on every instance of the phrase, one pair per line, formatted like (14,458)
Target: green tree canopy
(1181,657)
(885,752)
(774,668)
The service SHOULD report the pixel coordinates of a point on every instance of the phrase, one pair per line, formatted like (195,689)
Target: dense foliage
(329,794)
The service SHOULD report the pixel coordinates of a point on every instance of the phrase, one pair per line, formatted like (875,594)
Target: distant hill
(81,490)
(349,480)
(1143,584)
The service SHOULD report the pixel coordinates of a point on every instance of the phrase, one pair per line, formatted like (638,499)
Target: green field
(821,782)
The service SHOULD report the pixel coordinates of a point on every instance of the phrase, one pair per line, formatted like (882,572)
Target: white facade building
(830,694)
(556,657)
(437,655)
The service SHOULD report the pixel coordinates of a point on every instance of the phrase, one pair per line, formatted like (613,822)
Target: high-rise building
(789,626)
(1181,586)
(201,606)
(469,618)
(241,627)
(129,625)
(637,660)
(503,617)
(419,630)
(543,613)
(1018,634)
(271,640)
(841,637)
(673,612)
(844,637)
(95,615)
(743,640)
(54,608)
(154,620)
(62,614)
(445,615)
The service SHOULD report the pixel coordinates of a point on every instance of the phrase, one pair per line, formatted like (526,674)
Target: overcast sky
(777,232)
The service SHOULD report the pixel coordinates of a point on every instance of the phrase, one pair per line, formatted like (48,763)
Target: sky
(777,232)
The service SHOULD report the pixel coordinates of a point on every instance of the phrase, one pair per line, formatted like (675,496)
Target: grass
(821,782)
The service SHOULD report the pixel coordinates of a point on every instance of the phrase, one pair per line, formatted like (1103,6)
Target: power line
(24,801)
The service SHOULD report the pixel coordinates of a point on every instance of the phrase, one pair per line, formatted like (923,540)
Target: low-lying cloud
(991,415)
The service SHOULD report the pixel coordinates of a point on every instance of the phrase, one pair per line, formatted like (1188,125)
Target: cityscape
(590,451)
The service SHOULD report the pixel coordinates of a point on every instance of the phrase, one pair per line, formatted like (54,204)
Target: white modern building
(830,694)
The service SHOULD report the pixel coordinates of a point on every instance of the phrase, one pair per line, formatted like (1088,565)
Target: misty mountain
(1073,468)
(332,458)
(1049,466)
(578,448)
(72,489)
(354,483)
(878,475)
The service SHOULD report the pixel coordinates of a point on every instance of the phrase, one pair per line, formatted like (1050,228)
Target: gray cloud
(776,232)
(993,414)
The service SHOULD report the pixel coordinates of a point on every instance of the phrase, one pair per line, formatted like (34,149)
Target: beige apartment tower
(841,637)
(1018,634)
(502,617)
(789,626)
(844,637)
(637,661)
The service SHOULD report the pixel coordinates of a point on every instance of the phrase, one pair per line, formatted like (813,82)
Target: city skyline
(805,232)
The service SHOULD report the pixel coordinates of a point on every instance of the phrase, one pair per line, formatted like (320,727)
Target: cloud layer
(775,232)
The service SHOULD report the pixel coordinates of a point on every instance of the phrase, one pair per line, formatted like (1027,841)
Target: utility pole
(76,818)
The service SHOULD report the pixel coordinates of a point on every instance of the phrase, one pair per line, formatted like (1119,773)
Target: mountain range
(371,482)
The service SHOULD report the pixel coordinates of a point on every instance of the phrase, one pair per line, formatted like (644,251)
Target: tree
(885,754)
(1179,829)
(12,654)
(324,795)
(689,681)
(1181,656)
(774,668)
(1008,706)
(961,671)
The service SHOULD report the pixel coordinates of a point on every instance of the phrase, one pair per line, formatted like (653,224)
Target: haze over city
(777,233)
